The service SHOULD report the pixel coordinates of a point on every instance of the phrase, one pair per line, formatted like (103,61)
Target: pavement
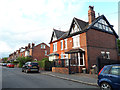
(89,79)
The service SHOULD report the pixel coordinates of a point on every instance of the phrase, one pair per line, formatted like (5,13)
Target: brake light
(29,65)
(100,71)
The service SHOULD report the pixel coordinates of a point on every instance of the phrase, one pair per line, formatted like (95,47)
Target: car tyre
(105,86)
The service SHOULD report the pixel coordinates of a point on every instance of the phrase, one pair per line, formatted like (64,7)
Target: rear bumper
(33,69)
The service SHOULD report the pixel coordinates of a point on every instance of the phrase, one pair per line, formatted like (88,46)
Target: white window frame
(61,44)
(45,52)
(65,43)
(82,59)
(103,53)
(77,37)
(108,53)
(54,46)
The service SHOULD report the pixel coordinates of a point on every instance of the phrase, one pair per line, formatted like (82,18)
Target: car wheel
(105,86)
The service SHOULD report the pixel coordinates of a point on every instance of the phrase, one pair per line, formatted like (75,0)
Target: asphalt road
(14,78)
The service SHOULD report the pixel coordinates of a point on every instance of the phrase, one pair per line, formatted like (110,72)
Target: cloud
(24,21)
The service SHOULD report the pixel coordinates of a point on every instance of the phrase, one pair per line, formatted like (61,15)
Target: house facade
(37,52)
(84,42)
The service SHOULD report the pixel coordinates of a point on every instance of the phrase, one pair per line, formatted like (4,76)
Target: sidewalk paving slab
(79,77)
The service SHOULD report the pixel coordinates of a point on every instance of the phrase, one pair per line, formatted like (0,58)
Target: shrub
(23,60)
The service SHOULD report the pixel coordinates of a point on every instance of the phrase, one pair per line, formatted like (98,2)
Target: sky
(27,21)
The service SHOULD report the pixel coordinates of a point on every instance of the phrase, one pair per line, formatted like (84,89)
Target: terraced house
(84,42)
(36,52)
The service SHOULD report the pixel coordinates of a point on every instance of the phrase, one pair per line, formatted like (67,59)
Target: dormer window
(101,24)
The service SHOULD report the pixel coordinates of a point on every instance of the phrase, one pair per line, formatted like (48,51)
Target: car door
(115,76)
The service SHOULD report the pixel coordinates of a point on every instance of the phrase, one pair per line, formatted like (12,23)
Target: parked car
(10,65)
(30,67)
(109,77)
(4,64)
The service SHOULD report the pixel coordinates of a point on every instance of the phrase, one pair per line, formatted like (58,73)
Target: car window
(34,63)
(115,70)
(107,69)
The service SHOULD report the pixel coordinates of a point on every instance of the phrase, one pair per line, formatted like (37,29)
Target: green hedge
(46,64)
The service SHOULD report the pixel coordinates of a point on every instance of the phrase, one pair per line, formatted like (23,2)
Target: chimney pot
(33,45)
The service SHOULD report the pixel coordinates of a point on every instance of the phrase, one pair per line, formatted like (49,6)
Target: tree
(23,60)
(5,59)
(118,44)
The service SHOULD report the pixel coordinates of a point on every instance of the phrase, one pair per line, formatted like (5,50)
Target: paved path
(80,78)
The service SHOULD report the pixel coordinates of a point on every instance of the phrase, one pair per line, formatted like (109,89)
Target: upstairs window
(76,41)
(65,43)
(42,46)
(101,24)
(54,46)
(61,44)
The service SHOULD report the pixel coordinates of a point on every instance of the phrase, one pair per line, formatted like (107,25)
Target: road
(14,78)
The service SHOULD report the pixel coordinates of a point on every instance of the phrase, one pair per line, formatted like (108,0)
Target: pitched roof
(83,26)
(81,23)
(59,33)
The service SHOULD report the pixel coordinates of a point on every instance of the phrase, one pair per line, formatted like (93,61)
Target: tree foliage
(23,60)
(5,59)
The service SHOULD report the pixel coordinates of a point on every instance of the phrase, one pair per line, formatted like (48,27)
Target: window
(42,46)
(101,24)
(103,54)
(106,71)
(115,70)
(55,46)
(65,43)
(45,52)
(108,55)
(76,42)
(61,44)
(81,59)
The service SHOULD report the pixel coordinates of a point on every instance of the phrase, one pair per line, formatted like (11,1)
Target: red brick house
(37,52)
(84,42)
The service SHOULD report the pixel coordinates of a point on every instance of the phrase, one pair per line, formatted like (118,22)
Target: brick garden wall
(60,70)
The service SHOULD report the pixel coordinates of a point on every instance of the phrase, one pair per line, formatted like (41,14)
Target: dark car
(4,64)
(109,77)
(30,67)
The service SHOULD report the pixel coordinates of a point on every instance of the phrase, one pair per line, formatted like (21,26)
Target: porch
(74,63)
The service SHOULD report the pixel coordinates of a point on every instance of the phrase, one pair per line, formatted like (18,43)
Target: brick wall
(99,41)
(60,70)
(39,53)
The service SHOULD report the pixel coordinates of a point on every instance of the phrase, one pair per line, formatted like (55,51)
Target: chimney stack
(91,14)
(28,45)
(33,45)
(25,48)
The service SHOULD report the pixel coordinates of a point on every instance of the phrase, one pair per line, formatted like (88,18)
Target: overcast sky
(27,21)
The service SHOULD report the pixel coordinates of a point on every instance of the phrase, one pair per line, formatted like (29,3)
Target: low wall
(60,70)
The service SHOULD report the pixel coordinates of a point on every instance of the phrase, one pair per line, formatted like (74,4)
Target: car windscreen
(34,63)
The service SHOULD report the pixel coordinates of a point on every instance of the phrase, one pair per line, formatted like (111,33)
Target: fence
(102,62)
(59,63)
